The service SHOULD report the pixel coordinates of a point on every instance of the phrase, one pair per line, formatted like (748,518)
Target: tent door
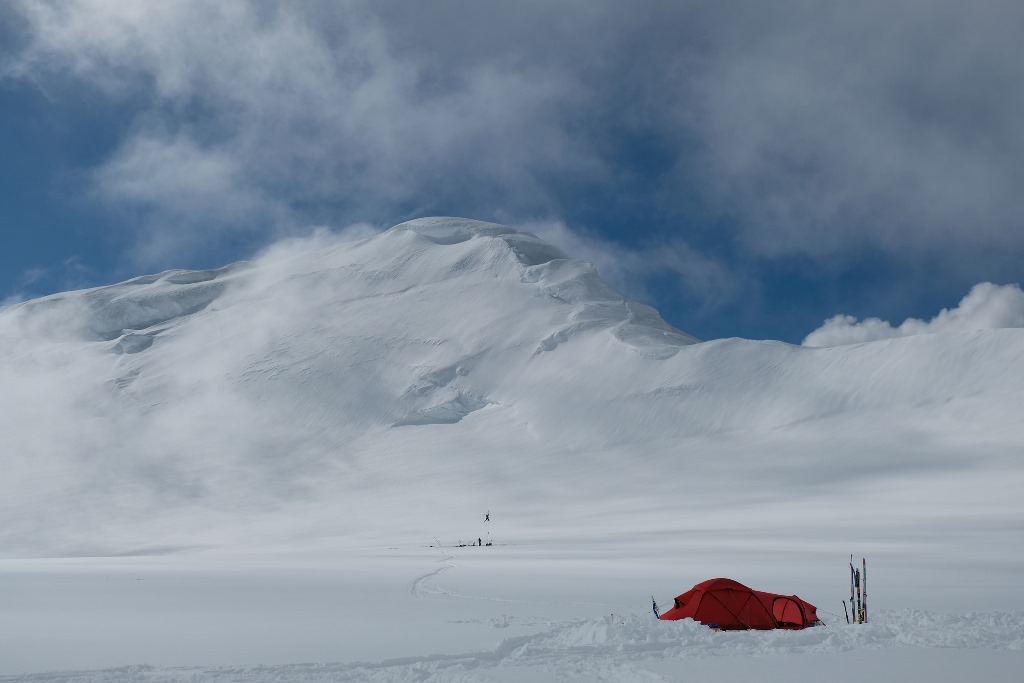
(788,613)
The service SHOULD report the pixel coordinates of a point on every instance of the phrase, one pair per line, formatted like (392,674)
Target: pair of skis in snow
(858,584)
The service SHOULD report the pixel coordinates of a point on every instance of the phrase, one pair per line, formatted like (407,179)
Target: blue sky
(750,169)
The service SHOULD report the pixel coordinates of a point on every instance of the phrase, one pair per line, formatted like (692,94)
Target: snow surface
(222,473)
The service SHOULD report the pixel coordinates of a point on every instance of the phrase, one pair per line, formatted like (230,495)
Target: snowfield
(502,613)
(213,475)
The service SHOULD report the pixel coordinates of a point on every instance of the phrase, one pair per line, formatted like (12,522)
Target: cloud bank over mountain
(267,105)
(986,307)
(799,141)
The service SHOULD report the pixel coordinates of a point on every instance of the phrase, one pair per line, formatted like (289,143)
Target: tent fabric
(731,606)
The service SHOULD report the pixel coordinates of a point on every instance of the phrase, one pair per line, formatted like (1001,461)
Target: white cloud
(810,129)
(246,111)
(70,273)
(986,306)
(703,281)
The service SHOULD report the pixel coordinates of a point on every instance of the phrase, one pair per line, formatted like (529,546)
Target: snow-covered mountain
(319,388)
(285,442)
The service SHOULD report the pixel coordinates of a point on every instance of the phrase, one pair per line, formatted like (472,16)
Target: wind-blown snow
(376,397)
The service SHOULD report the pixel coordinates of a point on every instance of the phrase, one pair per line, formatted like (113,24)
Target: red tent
(729,605)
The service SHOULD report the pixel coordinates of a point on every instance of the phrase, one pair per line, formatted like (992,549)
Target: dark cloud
(895,125)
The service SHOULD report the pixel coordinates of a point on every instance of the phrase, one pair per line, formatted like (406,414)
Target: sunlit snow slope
(395,387)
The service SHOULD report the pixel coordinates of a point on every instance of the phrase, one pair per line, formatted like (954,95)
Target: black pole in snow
(853,605)
(864,605)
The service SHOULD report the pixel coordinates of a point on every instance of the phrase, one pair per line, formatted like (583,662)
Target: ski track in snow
(609,648)
(418,589)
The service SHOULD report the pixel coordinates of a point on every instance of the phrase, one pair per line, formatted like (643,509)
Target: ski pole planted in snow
(853,605)
(864,600)
(860,607)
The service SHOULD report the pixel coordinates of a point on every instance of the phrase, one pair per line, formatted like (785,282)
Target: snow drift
(638,649)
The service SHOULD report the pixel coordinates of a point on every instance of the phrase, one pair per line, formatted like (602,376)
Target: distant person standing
(479,542)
